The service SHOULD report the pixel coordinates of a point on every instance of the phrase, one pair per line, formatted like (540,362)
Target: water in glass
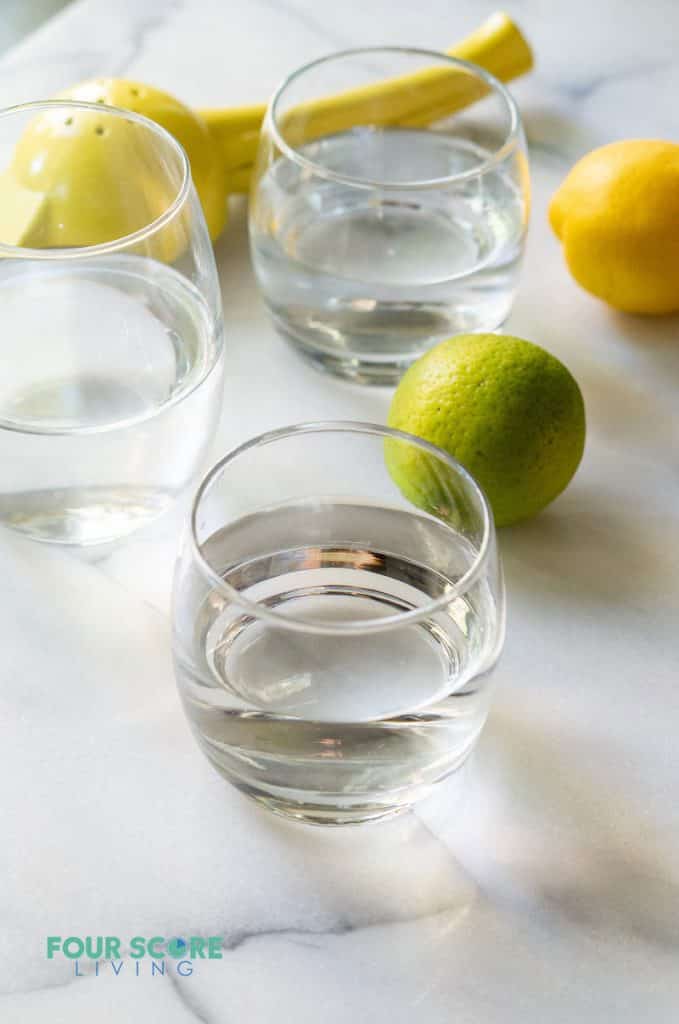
(383,274)
(109,393)
(352,726)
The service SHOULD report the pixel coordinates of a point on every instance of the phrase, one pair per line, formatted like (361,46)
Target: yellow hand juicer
(40,204)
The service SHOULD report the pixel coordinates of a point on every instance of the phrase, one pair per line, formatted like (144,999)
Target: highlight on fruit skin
(506,409)
(616,215)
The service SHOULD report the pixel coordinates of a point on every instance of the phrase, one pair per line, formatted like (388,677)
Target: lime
(510,412)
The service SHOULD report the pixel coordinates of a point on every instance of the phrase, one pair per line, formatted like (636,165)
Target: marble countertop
(19,18)
(542,883)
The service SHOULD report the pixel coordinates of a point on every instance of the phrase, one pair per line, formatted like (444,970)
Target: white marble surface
(541,885)
(19,17)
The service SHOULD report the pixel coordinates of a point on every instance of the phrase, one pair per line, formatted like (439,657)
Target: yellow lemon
(617,215)
(510,412)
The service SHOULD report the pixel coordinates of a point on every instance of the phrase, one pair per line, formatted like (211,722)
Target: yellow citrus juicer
(41,192)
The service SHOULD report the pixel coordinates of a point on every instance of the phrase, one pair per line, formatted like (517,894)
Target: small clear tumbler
(389,207)
(110,322)
(335,631)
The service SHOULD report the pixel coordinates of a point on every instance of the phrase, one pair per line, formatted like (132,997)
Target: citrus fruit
(510,412)
(616,215)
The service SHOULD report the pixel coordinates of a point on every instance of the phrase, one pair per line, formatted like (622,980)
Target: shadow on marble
(656,338)
(600,858)
(554,134)
(626,414)
(395,870)
(573,552)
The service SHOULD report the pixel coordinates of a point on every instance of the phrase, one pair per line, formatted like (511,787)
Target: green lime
(510,412)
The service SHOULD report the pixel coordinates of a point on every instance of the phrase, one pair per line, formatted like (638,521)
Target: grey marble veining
(542,883)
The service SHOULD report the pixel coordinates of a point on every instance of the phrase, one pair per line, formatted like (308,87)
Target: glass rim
(81,251)
(319,170)
(299,624)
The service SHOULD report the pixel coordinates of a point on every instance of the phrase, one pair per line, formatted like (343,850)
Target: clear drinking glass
(334,642)
(110,322)
(389,207)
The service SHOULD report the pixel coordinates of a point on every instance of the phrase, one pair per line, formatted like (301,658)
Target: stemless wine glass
(335,631)
(110,320)
(388,208)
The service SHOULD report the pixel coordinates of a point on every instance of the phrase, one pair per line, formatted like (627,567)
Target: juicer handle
(497,45)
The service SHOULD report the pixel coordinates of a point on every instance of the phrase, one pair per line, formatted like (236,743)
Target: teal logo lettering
(94,955)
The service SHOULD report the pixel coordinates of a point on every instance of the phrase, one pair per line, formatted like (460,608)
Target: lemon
(617,214)
(509,411)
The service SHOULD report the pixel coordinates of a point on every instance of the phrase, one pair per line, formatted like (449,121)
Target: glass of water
(334,642)
(110,322)
(389,207)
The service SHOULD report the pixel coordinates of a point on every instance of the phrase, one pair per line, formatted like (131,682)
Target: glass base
(81,517)
(382,373)
(322,814)
(349,812)
(315,808)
